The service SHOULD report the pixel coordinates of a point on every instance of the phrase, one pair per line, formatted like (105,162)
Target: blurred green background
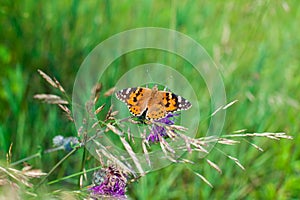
(255,44)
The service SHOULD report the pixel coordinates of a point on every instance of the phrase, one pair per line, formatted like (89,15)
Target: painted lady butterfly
(152,103)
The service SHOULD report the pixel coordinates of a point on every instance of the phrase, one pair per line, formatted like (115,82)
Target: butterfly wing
(158,103)
(156,109)
(135,98)
(173,102)
(164,102)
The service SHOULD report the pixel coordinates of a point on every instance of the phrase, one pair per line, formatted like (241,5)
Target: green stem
(26,159)
(73,175)
(57,164)
(38,154)
(82,167)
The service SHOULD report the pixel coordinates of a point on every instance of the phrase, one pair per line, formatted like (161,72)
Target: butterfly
(152,103)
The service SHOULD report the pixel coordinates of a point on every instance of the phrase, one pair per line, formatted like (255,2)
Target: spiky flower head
(159,127)
(67,143)
(109,182)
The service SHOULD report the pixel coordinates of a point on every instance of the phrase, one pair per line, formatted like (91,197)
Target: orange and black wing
(135,98)
(173,102)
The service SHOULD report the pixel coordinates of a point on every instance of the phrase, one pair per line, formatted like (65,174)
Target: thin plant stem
(82,167)
(38,154)
(73,175)
(26,159)
(57,164)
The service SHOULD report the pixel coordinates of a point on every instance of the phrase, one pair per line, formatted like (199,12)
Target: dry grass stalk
(275,136)
(105,152)
(194,142)
(100,158)
(198,146)
(95,124)
(108,115)
(166,144)
(110,91)
(98,110)
(132,121)
(216,111)
(236,161)
(114,113)
(171,134)
(227,141)
(229,104)
(33,173)
(255,146)
(187,143)
(204,179)
(146,154)
(80,131)
(164,147)
(50,98)
(132,155)
(67,111)
(187,161)
(89,106)
(240,131)
(177,127)
(65,108)
(115,130)
(223,107)
(18,176)
(54,83)
(129,134)
(96,92)
(215,166)
(47,78)
(59,86)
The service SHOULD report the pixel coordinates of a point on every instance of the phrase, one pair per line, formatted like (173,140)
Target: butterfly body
(153,103)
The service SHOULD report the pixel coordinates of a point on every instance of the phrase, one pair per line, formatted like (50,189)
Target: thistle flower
(157,130)
(109,182)
(58,140)
(67,143)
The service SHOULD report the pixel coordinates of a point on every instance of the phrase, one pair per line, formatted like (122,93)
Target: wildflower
(70,143)
(58,140)
(157,130)
(109,182)
(67,143)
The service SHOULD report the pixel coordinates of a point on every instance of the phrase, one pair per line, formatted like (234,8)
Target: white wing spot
(128,90)
(179,99)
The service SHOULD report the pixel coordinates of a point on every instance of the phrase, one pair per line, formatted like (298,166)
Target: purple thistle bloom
(161,130)
(112,183)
